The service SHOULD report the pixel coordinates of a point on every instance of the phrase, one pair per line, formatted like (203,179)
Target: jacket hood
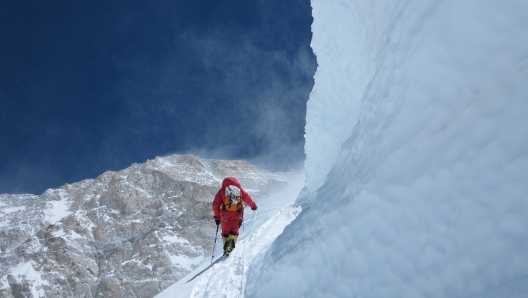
(230,181)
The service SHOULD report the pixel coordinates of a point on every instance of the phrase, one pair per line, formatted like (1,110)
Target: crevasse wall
(427,194)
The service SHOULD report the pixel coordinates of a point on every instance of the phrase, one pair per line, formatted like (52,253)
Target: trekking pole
(214,246)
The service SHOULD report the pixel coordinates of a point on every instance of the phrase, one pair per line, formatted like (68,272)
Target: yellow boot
(229,245)
(225,238)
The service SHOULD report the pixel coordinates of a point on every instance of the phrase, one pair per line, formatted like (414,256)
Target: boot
(224,239)
(229,245)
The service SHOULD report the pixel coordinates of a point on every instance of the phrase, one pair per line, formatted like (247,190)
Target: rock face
(130,233)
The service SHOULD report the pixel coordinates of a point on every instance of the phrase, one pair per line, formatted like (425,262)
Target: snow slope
(429,194)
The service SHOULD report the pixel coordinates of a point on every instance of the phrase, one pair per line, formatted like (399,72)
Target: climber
(229,211)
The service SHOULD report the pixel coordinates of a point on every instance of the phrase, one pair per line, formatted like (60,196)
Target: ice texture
(333,114)
(421,188)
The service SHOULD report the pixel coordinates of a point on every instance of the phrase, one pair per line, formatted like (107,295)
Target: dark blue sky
(90,86)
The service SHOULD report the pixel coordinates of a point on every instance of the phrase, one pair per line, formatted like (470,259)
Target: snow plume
(425,102)
(263,106)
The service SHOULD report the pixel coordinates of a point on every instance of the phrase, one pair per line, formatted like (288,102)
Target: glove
(217,220)
(254,208)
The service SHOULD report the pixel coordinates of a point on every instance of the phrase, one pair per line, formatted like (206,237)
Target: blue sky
(92,86)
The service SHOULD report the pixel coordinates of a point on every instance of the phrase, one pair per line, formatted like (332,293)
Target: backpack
(233,198)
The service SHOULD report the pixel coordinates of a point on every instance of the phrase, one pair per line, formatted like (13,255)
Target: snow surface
(176,239)
(58,210)
(186,262)
(11,210)
(417,160)
(25,271)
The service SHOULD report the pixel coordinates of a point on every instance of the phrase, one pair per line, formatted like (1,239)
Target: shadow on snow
(223,257)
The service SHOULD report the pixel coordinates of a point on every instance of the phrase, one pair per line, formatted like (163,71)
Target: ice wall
(333,114)
(429,194)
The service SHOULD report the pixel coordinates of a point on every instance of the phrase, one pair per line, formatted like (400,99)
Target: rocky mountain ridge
(130,233)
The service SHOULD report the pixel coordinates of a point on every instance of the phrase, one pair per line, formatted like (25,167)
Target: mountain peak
(151,223)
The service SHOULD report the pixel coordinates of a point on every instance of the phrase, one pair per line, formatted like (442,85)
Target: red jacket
(218,202)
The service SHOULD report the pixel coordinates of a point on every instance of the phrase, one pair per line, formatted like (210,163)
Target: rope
(244,255)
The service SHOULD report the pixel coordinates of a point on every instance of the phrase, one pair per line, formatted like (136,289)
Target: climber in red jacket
(229,211)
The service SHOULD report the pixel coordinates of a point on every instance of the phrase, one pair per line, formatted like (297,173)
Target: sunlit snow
(11,210)
(58,210)
(25,271)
